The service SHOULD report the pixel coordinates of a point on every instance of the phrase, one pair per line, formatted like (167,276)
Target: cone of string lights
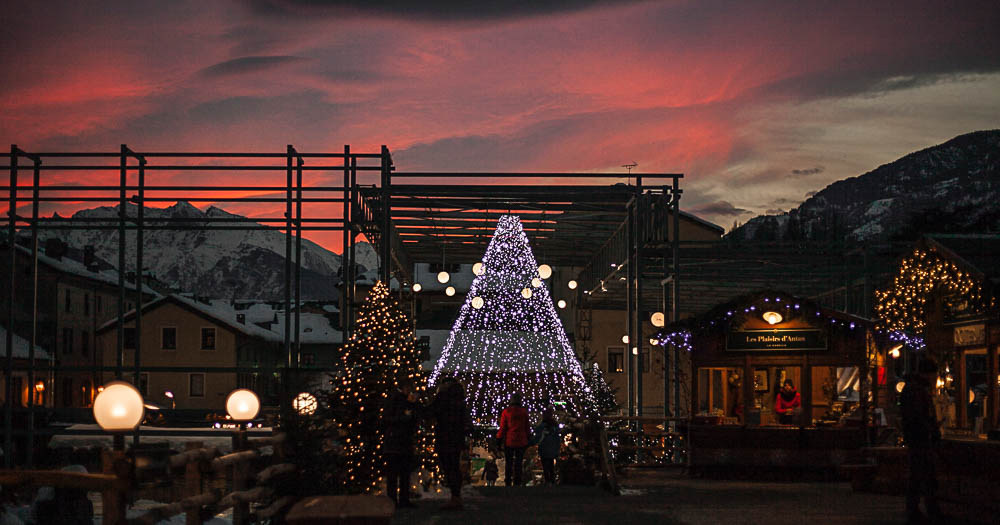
(515,342)
(379,355)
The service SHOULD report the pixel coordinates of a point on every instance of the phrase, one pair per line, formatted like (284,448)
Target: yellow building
(191,350)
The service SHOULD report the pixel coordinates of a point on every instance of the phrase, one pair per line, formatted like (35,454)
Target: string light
(516,342)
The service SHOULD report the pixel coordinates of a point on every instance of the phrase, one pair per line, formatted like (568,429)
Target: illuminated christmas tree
(379,355)
(604,395)
(508,337)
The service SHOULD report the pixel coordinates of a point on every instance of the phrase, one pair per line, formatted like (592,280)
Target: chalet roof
(73,267)
(223,315)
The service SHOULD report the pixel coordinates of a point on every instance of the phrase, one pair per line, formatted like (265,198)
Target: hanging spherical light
(444,277)
(900,385)
(526,293)
(477,302)
(653,341)
(571,284)
(536,282)
(417,287)
(478,268)
(545,271)
(561,303)
(635,350)
(625,338)
(449,291)
(657,319)
(242,404)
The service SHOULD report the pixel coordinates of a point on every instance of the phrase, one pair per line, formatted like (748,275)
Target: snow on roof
(222,313)
(74,267)
(313,329)
(20,347)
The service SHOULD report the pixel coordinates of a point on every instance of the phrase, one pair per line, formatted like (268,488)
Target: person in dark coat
(514,435)
(921,434)
(399,426)
(549,442)
(452,426)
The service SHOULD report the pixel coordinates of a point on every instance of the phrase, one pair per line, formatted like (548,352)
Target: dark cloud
(720,208)
(242,65)
(808,171)
(429,9)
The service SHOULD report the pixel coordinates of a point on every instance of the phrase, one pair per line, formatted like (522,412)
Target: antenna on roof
(629,167)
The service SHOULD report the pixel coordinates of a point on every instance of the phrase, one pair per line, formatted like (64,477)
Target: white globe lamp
(545,271)
(417,287)
(536,282)
(242,404)
(478,268)
(657,319)
(443,277)
(571,284)
(119,407)
(561,303)
(526,293)
(449,291)
(477,302)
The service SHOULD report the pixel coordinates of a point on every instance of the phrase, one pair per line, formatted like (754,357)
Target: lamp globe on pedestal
(119,407)
(242,404)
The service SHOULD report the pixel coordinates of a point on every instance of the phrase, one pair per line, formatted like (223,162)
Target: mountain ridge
(952,187)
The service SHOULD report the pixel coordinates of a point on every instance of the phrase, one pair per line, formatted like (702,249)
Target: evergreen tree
(604,395)
(508,337)
(380,355)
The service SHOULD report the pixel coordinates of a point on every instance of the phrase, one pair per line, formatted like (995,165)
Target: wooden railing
(202,468)
(634,443)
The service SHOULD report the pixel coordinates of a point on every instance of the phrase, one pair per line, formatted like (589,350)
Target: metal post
(122,211)
(675,314)
(351,250)
(343,248)
(664,284)
(386,244)
(33,336)
(632,359)
(139,238)
(288,260)
(298,259)
(8,413)
(638,231)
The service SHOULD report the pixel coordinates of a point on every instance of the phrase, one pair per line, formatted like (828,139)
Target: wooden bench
(341,510)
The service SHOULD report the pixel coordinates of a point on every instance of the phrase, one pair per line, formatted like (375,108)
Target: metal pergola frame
(136,164)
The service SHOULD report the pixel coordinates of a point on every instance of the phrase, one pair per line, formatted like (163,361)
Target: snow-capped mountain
(948,188)
(244,264)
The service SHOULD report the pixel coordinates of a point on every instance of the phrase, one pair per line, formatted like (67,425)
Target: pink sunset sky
(757,103)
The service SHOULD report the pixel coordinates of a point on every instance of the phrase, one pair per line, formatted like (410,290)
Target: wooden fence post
(113,498)
(241,509)
(193,484)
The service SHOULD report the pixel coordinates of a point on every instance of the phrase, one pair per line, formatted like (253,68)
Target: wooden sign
(970,335)
(775,340)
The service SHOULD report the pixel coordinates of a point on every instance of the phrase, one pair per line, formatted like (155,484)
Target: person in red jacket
(513,434)
(787,403)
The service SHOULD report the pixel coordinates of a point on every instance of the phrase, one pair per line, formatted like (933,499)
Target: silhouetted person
(549,442)
(399,426)
(921,434)
(491,472)
(453,424)
(787,403)
(513,434)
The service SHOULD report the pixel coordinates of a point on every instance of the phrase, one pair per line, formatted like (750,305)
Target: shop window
(208,338)
(168,338)
(835,393)
(768,382)
(720,399)
(196,385)
(616,359)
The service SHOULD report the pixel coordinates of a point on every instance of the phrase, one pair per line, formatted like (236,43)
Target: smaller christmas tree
(604,395)
(379,356)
